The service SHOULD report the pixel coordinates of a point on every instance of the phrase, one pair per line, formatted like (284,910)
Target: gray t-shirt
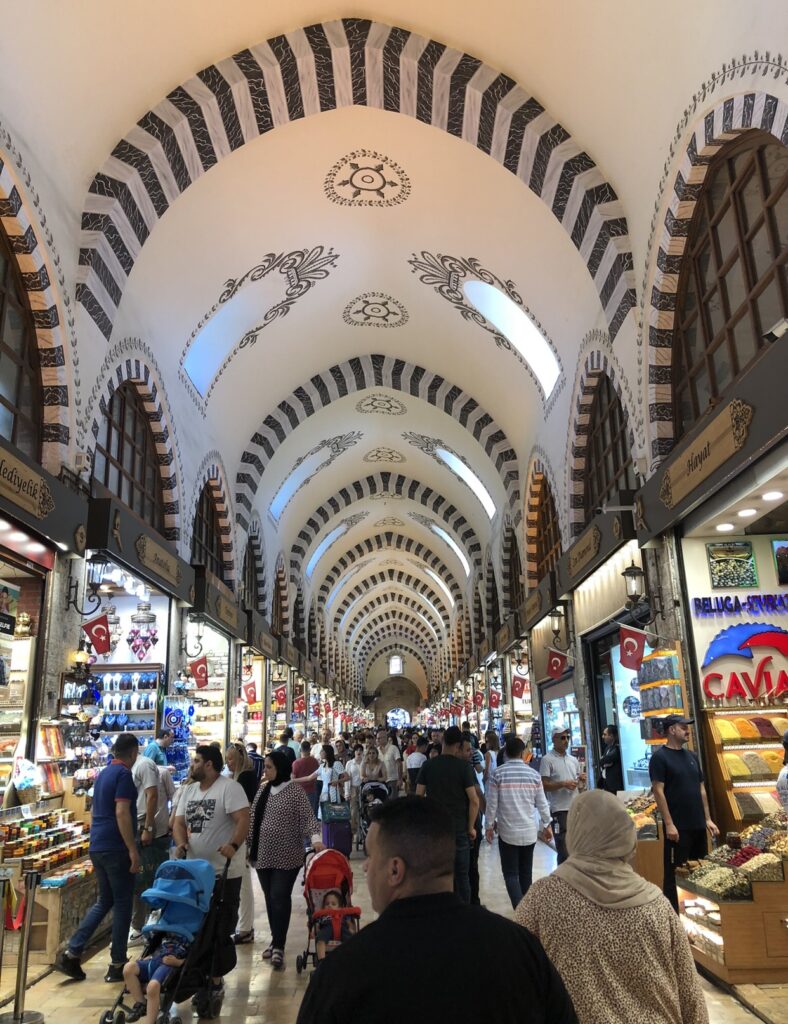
(208,822)
(559,768)
(146,776)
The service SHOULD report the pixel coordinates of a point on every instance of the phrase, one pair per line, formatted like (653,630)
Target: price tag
(27,810)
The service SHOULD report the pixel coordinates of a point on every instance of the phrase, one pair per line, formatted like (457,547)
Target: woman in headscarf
(281,817)
(615,940)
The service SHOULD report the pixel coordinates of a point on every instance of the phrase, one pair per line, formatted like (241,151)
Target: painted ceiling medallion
(389,521)
(386,496)
(366,178)
(384,454)
(375,309)
(384,405)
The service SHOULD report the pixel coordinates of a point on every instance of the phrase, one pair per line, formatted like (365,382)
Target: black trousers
(473,869)
(692,844)
(559,833)
(277,885)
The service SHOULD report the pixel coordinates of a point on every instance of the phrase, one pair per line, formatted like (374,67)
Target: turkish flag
(199,670)
(518,686)
(556,663)
(280,696)
(299,705)
(326,709)
(97,631)
(478,699)
(250,693)
(467,705)
(495,699)
(633,647)
(455,709)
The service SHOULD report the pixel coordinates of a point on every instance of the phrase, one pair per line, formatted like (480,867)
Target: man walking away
(409,869)
(392,762)
(414,761)
(451,781)
(152,832)
(561,776)
(305,765)
(116,862)
(677,781)
(514,792)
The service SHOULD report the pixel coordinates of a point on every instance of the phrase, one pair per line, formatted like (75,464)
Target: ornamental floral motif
(423,520)
(387,496)
(374,309)
(390,521)
(383,454)
(366,178)
(384,405)
(335,446)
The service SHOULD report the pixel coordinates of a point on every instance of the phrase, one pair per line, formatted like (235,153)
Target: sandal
(268,953)
(278,959)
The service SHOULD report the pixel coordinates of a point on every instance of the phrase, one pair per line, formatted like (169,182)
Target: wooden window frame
(548,533)
(207,544)
(609,466)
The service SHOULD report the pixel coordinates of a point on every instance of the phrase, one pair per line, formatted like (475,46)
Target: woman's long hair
(328,753)
(492,741)
(244,761)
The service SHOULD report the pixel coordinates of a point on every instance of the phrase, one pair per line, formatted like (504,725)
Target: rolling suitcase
(337,835)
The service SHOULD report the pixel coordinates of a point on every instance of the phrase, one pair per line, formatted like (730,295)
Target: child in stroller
(328,887)
(153,971)
(372,794)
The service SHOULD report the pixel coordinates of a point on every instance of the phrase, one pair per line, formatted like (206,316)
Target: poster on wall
(731,565)
(9,599)
(780,553)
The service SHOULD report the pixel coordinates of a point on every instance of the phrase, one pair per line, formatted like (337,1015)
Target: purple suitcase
(337,835)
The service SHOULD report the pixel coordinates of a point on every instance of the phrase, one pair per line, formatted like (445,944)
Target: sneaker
(243,938)
(114,972)
(137,1011)
(278,959)
(268,953)
(69,965)
(136,938)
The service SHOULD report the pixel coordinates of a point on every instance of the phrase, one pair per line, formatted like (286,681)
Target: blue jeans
(116,893)
(517,867)
(462,863)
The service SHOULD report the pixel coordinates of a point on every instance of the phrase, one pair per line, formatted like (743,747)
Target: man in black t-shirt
(677,782)
(451,781)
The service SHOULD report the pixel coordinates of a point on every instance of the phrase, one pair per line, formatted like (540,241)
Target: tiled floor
(257,994)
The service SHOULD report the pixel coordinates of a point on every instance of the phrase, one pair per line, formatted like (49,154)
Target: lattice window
(250,580)
(515,570)
(21,404)
(207,546)
(609,467)
(733,287)
(126,462)
(548,533)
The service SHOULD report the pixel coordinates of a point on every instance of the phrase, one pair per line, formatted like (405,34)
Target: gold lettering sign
(226,611)
(24,487)
(584,550)
(484,649)
(722,438)
(503,636)
(266,644)
(156,558)
(533,606)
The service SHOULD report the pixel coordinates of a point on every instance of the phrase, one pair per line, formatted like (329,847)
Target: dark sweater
(463,960)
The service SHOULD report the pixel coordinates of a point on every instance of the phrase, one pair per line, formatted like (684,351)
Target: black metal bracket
(72,598)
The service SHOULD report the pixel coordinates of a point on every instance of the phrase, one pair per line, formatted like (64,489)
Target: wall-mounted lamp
(82,660)
(638,600)
(517,657)
(96,567)
(558,620)
(198,621)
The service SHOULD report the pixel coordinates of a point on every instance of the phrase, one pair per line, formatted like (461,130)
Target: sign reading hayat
(747,662)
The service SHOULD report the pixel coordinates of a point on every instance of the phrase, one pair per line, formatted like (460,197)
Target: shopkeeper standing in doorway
(677,781)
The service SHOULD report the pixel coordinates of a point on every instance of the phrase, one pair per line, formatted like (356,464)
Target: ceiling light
(4,525)
(18,537)
(747,513)
(518,328)
(772,496)
(35,547)
(725,528)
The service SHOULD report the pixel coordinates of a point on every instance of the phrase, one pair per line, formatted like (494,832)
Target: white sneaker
(136,938)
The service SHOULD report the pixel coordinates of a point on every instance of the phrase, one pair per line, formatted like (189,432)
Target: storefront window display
(561,712)
(278,696)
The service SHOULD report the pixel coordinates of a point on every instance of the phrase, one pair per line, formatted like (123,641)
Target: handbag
(338,810)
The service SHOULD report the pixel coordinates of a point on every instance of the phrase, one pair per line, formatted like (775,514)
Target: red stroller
(325,872)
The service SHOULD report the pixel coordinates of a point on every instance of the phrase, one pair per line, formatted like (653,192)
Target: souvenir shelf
(125,695)
(747,750)
(662,692)
(17,655)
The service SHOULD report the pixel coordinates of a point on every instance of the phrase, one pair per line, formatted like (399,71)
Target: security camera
(777,331)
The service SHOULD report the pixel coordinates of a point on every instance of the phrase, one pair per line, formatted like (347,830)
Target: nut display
(766,867)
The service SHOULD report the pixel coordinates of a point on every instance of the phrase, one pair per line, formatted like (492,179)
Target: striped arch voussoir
(136,372)
(282,593)
(31,258)
(406,645)
(393,600)
(725,122)
(508,546)
(255,539)
(393,631)
(398,620)
(212,473)
(387,579)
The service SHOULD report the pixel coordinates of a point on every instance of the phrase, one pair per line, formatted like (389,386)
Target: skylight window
(395,665)
(448,539)
(436,578)
(323,546)
(518,328)
(466,474)
(295,481)
(216,340)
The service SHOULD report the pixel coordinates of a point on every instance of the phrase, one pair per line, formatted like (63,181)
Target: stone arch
(385,580)
(299,620)
(723,123)
(360,374)
(511,570)
(280,601)
(397,619)
(395,632)
(32,258)
(352,62)
(135,368)
(312,639)
(392,483)
(213,473)
(478,619)
(537,488)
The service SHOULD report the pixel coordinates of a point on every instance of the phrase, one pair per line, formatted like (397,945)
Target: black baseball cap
(676,720)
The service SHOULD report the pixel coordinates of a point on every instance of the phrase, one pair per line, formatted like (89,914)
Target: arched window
(126,462)
(515,571)
(733,287)
(548,533)
(278,611)
(250,580)
(207,546)
(298,624)
(609,467)
(493,607)
(20,377)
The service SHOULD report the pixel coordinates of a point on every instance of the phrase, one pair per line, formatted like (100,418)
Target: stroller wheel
(299,964)
(107,1017)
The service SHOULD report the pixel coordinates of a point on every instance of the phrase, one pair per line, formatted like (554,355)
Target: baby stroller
(190,899)
(324,872)
(371,795)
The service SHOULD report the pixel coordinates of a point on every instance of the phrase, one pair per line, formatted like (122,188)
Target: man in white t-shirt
(392,762)
(562,775)
(211,824)
(414,761)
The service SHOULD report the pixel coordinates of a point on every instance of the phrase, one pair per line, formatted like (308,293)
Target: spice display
(757,835)
(748,805)
(746,730)
(722,854)
(703,869)
(778,820)
(766,867)
(724,882)
(766,728)
(766,802)
(737,767)
(774,759)
(726,727)
(743,855)
(781,725)
(756,764)
(778,844)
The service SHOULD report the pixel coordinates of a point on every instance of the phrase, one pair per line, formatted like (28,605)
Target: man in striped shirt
(514,794)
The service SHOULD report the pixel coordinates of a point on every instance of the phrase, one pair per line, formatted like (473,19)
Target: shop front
(508,654)
(303,682)
(257,660)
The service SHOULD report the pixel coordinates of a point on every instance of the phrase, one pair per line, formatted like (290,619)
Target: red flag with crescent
(467,705)
(518,686)
(478,699)
(97,631)
(250,692)
(556,663)
(327,709)
(633,647)
(299,705)
(199,670)
(280,696)
(455,709)
(495,699)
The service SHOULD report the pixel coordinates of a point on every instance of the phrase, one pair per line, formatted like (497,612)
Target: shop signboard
(113,528)
(604,535)
(216,601)
(258,635)
(289,653)
(484,650)
(40,501)
(539,603)
(506,636)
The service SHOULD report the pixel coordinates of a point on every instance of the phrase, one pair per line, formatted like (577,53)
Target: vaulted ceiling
(275,210)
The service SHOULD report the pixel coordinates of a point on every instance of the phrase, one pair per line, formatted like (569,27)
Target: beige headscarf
(601,839)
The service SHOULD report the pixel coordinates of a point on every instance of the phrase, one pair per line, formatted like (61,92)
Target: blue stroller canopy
(182,890)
